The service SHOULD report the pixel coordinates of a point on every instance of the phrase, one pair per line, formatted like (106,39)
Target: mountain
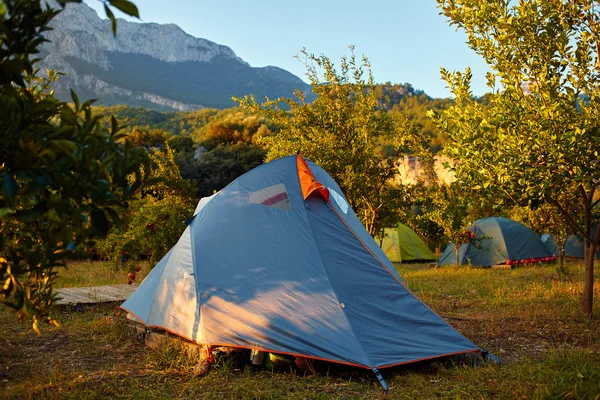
(151,65)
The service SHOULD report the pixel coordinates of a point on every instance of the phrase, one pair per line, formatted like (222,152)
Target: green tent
(403,244)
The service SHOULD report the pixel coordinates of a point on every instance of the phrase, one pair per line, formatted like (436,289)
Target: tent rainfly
(403,244)
(498,241)
(574,246)
(278,261)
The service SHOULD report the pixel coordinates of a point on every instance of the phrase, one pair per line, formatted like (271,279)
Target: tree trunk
(372,225)
(456,248)
(560,242)
(589,250)
(587,298)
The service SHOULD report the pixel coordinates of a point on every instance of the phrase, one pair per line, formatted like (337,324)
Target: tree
(61,174)
(418,216)
(546,219)
(216,168)
(182,144)
(540,135)
(450,211)
(343,131)
(146,138)
(155,220)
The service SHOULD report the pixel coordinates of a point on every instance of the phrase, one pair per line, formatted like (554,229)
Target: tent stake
(489,357)
(380,379)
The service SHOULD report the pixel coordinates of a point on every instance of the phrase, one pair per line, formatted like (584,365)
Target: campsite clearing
(525,315)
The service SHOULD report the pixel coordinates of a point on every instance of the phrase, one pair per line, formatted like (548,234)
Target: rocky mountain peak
(192,72)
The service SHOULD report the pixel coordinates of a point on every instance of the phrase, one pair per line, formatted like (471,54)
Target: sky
(406,41)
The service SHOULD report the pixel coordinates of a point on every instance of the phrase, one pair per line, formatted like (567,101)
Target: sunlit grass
(528,316)
(498,289)
(83,273)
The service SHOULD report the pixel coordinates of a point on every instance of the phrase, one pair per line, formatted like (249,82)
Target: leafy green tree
(546,220)
(239,126)
(428,229)
(218,167)
(417,211)
(182,144)
(540,136)
(450,210)
(62,176)
(165,177)
(343,131)
(155,220)
(230,140)
(146,137)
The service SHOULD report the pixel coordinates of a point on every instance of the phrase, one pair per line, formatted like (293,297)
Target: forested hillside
(414,103)
(215,146)
(393,98)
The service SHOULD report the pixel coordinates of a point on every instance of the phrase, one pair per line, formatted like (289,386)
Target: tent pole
(380,379)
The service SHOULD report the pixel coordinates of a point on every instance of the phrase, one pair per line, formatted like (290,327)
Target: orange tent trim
(308,182)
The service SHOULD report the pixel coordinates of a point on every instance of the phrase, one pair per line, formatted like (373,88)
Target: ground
(528,316)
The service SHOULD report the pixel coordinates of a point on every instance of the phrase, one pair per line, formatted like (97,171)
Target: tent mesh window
(339,200)
(272,196)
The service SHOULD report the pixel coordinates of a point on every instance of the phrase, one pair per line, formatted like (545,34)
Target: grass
(81,273)
(528,316)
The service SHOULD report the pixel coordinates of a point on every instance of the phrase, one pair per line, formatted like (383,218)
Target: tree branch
(570,219)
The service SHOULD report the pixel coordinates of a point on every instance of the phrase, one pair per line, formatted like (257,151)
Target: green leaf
(5,211)
(66,146)
(114,125)
(112,18)
(89,103)
(9,186)
(113,216)
(75,100)
(18,300)
(126,6)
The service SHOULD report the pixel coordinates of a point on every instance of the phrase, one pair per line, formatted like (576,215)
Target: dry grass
(82,273)
(527,316)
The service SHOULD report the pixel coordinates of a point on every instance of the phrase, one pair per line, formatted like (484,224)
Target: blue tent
(278,261)
(500,241)
(574,246)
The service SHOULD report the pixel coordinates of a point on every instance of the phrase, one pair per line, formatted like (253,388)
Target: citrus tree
(344,132)
(540,135)
(62,175)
